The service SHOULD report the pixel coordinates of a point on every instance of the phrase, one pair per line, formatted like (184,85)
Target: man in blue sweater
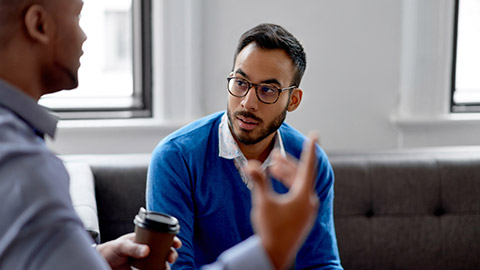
(198,173)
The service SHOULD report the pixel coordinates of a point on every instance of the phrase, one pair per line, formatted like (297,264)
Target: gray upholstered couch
(409,209)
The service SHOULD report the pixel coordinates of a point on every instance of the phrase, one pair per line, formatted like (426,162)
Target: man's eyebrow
(240,71)
(271,81)
(268,81)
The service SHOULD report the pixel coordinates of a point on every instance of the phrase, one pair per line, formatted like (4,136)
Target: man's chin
(68,87)
(247,141)
(68,84)
(63,87)
(247,137)
(73,82)
(71,87)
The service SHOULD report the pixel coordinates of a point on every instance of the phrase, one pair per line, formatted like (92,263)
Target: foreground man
(40,46)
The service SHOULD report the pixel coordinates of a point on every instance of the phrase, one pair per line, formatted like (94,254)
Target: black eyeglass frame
(256,85)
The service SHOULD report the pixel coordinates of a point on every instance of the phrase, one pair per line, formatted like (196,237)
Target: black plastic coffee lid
(156,221)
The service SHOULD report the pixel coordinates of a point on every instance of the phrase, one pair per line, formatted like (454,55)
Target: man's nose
(250,101)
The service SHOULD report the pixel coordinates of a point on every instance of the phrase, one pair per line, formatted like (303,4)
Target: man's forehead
(253,49)
(271,64)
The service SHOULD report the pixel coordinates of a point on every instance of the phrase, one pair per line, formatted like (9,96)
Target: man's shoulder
(10,124)
(16,136)
(193,135)
(293,141)
(288,131)
(26,163)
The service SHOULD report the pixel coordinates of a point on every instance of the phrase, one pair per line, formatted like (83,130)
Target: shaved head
(42,38)
(11,15)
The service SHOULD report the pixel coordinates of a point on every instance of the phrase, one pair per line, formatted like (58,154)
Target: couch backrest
(410,209)
(120,182)
(120,192)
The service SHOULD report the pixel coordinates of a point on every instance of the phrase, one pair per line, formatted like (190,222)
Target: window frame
(176,101)
(454,58)
(458,107)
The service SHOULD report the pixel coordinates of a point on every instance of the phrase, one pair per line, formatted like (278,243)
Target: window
(466,64)
(115,72)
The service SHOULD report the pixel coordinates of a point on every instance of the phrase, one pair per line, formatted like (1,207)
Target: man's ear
(295,99)
(38,23)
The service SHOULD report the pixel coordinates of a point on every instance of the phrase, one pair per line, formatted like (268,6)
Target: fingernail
(142,250)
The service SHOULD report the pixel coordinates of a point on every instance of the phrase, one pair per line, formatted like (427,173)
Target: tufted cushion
(404,209)
(408,209)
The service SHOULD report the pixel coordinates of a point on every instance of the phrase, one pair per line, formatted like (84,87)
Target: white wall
(352,77)
(377,72)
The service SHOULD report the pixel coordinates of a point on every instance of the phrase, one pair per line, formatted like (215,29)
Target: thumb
(135,250)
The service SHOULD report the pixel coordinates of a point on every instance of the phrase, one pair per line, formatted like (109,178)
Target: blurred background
(381,74)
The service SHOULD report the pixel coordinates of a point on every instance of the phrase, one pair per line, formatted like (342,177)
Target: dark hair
(272,36)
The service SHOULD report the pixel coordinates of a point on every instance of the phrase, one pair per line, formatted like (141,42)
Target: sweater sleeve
(170,190)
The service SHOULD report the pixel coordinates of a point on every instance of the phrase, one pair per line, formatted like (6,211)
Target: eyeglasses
(266,93)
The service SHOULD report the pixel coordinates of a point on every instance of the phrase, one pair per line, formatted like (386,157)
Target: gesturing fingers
(284,169)
(307,167)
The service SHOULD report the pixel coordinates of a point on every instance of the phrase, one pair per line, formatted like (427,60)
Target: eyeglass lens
(240,87)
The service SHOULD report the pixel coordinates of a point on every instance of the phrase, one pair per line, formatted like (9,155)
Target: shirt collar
(25,107)
(229,149)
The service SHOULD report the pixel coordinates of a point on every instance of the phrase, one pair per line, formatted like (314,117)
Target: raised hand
(283,221)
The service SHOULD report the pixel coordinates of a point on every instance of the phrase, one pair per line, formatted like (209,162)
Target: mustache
(248,114)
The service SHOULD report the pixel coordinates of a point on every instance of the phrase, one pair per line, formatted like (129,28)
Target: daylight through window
(466,86)
(111,77)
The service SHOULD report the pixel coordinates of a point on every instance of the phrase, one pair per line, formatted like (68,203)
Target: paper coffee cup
(157,231)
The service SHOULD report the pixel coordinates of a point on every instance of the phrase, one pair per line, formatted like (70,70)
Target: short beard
(265,132)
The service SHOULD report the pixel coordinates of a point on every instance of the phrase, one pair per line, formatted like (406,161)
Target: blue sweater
(188,180)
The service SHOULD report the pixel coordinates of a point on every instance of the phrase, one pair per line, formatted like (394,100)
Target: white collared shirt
(229,149)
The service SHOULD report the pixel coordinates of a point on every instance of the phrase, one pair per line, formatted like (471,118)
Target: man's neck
(22,87)
(258,151)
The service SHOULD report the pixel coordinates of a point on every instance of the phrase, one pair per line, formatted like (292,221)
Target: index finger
(307,165)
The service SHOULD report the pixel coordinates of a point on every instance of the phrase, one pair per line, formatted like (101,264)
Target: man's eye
(267,90)
(241,83)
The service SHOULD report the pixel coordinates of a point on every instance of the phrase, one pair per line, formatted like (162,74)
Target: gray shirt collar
(27,109)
